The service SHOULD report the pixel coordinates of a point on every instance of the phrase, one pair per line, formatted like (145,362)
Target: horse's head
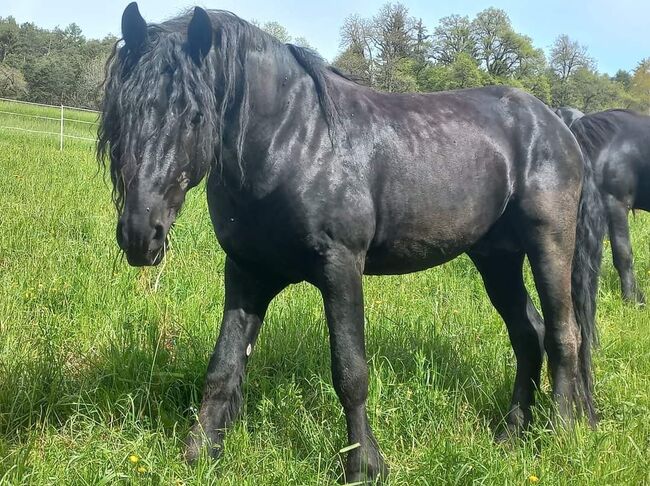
(157,127)
(569,115)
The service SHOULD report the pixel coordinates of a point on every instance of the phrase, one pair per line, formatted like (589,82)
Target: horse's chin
(149,259)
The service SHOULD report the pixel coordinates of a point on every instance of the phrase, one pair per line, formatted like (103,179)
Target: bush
(12,82)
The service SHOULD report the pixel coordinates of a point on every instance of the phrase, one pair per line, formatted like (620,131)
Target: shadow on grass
(147,377)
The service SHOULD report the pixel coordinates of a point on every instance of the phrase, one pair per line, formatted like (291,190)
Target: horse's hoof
(638,298)
(369,477)
(196,443)
(373,470)
(510,433)
(505,436)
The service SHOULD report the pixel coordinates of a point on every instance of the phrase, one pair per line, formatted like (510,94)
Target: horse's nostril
(159,232)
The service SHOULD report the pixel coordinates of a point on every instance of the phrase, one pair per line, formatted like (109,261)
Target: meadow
(102,365)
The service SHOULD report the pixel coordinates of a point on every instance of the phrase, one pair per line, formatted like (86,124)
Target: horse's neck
(275,88)
(270,77)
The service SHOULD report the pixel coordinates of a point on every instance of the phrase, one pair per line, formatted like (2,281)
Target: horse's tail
(590,233)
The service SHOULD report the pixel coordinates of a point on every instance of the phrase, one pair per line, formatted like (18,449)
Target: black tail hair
(587,257)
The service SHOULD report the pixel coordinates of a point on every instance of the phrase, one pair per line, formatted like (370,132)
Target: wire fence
(63,122)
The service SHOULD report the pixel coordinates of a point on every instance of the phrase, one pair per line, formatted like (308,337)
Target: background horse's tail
(590,233)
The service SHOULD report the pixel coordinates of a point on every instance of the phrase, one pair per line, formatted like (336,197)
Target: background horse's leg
(247,298)
(342,292)
(619,236)
(503,279)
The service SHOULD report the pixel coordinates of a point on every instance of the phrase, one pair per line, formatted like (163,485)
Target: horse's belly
(406,256)
(428,243)
(642,200)
(418,243)
(433,223)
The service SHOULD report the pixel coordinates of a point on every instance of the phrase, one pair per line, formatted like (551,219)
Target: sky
(615,32)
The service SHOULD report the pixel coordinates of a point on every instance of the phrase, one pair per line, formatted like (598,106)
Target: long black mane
(594,131)
(219,88)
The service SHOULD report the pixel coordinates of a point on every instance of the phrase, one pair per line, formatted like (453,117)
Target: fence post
(61,144)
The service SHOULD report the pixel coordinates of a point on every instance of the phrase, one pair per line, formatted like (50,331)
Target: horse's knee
(351,383)
(223,381)
(622,260)
(562,346)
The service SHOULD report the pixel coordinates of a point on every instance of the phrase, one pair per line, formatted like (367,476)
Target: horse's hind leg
(619,236)
(548,230)
(503,279)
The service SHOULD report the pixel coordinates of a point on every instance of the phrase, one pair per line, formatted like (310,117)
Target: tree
(640,87)
(356,58)
(452,37)
(303,42)
(464,72)
(393,30)
(355,65)
(9,32)
(54,78)
(500,50)
(12,82)
(624,78)
(357,36)
(388,51)
(567,56)
(276,30)
(88,91)
(280,32)
(538,85)
(591,91)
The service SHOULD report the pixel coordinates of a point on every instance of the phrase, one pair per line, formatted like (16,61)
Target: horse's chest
(258,234)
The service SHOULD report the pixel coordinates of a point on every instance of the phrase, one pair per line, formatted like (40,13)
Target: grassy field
(23,118)
(100,361)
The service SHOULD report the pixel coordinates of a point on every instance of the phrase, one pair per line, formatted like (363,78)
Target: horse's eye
(197,118)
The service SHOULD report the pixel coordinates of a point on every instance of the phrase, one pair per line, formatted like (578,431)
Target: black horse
(311,177)
(569,115)
(618,144)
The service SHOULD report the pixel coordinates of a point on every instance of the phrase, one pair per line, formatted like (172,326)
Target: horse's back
(619,142)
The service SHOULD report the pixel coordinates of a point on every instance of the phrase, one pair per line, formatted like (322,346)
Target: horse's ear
(134,28)
(199,35)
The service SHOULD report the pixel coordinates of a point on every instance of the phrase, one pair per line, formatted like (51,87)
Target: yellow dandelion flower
(142,469)
(133,459)
(533,479)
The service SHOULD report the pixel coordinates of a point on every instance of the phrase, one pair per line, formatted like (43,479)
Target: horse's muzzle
(143,244)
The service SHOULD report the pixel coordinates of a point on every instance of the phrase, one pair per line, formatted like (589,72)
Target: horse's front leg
(247,298)
(342,292)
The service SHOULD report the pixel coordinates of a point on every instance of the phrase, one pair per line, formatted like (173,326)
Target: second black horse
(618,144)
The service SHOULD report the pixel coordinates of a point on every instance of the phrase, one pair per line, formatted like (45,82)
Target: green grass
(97,362)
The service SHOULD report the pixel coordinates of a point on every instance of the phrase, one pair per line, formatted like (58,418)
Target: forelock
(132,87)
